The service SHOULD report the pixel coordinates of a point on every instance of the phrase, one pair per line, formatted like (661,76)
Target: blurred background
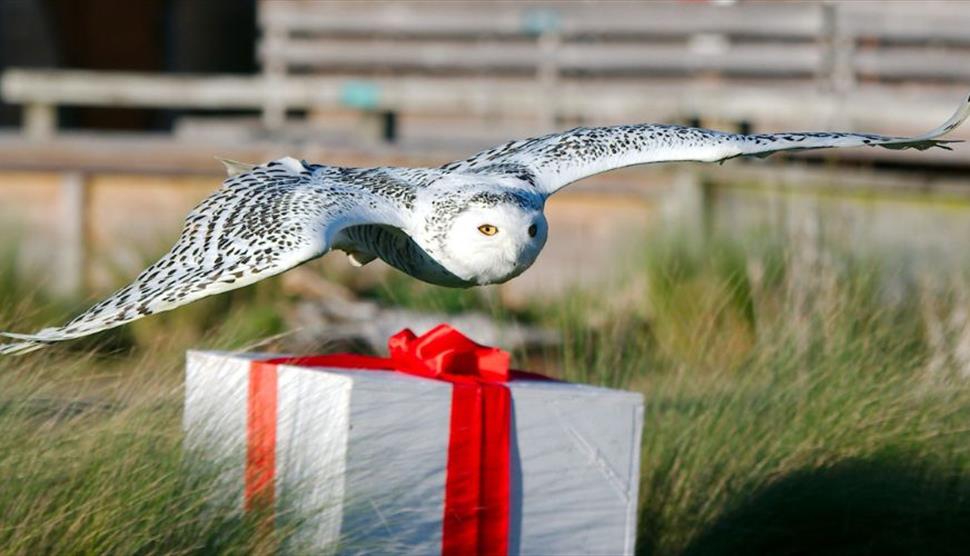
(113,111)
(800,325)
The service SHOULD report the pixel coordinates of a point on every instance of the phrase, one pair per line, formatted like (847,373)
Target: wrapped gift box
(360,460)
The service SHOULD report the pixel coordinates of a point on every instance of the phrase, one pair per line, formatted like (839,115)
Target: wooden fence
(791,63)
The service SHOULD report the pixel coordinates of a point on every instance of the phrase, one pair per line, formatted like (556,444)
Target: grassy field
(788,411)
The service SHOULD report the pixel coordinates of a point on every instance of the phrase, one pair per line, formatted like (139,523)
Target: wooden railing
(767,63)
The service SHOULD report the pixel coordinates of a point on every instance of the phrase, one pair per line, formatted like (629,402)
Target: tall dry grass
(787,412)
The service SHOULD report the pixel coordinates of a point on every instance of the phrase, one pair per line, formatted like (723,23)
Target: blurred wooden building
(113,110)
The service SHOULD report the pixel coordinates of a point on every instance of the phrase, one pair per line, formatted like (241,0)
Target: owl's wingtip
(20,348)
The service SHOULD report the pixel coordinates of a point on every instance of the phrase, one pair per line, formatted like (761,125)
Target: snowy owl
(471,222)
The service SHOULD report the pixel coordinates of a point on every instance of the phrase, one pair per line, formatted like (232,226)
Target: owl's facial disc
(489,245)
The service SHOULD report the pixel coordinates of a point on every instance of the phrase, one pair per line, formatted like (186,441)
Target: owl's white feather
(426,222)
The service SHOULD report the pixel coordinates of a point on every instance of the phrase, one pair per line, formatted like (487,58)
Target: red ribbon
(476,515)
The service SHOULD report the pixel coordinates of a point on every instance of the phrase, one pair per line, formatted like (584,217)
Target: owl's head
(493,237)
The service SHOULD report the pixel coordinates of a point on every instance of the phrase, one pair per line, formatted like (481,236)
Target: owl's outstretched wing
(553,161)
(260,223)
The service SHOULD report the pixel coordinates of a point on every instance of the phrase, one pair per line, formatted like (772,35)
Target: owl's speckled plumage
(269,218)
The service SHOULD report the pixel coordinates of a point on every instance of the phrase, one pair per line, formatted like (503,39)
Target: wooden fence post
(836,74)
(40,120)
(70,278)
(274,76)
(805,269)
(548,78)
(546,25)
(689,207)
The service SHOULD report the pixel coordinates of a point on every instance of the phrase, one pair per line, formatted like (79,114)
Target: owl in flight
(471,222)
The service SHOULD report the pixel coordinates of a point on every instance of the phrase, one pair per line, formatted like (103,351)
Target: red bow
(476,516)
(444,352)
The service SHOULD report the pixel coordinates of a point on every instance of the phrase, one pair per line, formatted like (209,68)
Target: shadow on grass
(856,507)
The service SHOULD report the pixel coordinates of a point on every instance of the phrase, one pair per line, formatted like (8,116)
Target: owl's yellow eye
(488,229)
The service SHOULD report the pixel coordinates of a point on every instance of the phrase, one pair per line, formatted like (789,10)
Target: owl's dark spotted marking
(267,219)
